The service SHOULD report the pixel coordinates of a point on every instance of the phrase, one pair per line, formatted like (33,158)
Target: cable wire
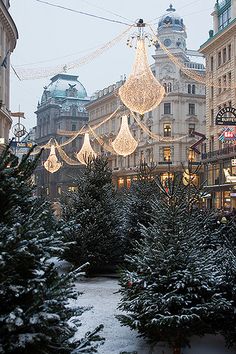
(83,13)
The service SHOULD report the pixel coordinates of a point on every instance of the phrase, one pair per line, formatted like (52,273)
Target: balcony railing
(220,153)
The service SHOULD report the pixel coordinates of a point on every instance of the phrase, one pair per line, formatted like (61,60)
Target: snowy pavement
(101,293)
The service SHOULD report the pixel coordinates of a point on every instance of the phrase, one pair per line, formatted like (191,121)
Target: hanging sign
(227,135)
(226,116)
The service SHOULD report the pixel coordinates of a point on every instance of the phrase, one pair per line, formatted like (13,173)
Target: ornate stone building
(60,108)
(220,54)
(180,114)
(8,39)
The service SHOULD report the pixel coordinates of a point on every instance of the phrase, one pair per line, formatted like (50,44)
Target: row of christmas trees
(179,272)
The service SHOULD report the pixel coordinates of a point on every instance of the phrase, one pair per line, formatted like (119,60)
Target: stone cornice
(8,25)
(218,38)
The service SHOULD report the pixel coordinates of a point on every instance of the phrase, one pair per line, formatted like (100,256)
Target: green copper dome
(64,86)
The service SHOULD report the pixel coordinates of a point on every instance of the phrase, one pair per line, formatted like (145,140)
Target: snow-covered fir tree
(136,205)
(92,211)
(172,287)
(34,311)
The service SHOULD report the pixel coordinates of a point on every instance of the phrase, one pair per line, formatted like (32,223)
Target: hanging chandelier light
(86,152)
(52,164)
(141,92)
(124,144)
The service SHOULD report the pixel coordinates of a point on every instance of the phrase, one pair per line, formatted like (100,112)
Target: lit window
(121,182)
(167,154)
(167,129)
(72,189)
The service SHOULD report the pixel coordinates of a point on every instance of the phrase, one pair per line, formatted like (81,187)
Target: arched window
(193,89)
(189,88)
(165,87)
(169,87)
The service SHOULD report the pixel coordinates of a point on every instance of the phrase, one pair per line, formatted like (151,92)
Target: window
(212,91)
(219,58)
(224,18)
(150,114)
(129,119)
(211,146)
(189,88)
(193,89)
(72,189)
(149,155)
(191,129)
(141,156)
(212,116)
(141,135)
(219,84)
(191,109)
(169,87)
(212,63)
(167,108)
(165,87)
(229,51)
(224,55)
(224,82)
(230,78)
(167,129)
(166,153)
(73,127)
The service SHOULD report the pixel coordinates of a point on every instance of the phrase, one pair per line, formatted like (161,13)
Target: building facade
(8,39)
(62,107)
(180,114)
(220,53)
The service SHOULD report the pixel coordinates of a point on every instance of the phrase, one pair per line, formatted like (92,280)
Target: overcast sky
(49,36)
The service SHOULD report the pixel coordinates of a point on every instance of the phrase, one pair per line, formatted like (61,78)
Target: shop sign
(227,135)
(233,195)
(226,116)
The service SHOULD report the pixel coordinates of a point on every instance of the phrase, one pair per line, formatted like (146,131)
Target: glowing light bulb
(141,92)
(52,164)
(86,152)
(124,144)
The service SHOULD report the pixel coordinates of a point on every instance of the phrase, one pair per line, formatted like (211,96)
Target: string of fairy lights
(140,93)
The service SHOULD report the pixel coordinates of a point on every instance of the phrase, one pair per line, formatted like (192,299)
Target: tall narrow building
(220,158)
(8,39)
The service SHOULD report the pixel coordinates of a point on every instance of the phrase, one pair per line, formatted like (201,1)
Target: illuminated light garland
(52,164)
(101,141)
(65,157)
(154,136)
(141,92)
(202,79)
(86,152)
(124,144)
(38,73)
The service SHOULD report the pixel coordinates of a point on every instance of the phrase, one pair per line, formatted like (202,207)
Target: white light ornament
(86,152)
(52,164)
(124,144)
(141,92)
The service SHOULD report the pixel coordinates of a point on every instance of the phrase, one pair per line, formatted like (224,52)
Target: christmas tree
(34,311)
(137,205)
(92,212)
(171,289)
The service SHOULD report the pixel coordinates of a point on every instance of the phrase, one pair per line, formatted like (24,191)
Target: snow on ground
(101,293)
